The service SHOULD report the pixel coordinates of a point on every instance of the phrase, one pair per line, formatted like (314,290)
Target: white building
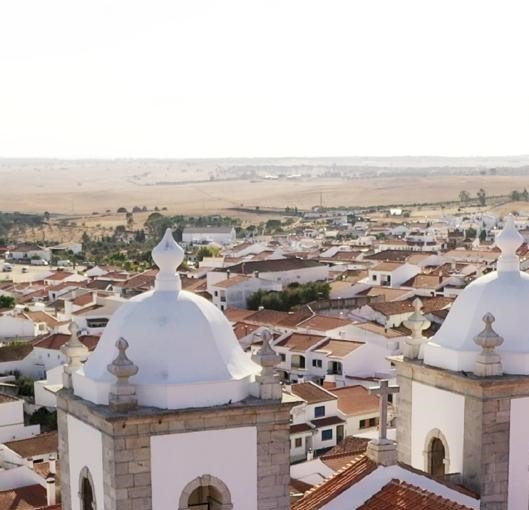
(198,235)
(12,420)
(234,291)
(188,399)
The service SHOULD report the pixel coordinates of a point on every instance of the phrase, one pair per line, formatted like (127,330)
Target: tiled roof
(57,340)
(298,486)
(143,280)
(242,329)
(377,329)
(400,495)
(338,348)
(300,342)
(39,316)
(82,300)
(349,445)
(237,314)
(311,393)
(31,497)
(4,398)
(300,427)
(386,266)
(15,352)
(406,306)
(36,445)
(355,400)
(276,265)
(325,422)
(233,280)
(336,484)
(424,281)
(58,276)
(324,323)
(394,255)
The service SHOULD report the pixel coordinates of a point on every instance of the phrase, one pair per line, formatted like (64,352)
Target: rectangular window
(326,435)
(319,411)
(298,442)
(374,277)
(316,363)
(283,356)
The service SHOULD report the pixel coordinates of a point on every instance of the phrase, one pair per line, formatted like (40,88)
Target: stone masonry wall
(126,447)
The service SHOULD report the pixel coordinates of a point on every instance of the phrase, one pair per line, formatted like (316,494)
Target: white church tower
(464,395)
(169,413)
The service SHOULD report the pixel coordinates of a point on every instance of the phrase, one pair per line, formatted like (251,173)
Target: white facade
(228,454)
(236,296)
(518,454)
(434,409)
(85,449)
(12,422)
(205,235)
(17,327)
(392,277)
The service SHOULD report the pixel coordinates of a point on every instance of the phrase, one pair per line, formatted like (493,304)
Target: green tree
(207,251)
(464,196)
(482,196)
(524,195)
(515,196)
(7,301)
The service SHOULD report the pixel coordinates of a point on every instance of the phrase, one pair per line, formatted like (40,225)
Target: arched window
(436,454)
(86,490)
(205,493)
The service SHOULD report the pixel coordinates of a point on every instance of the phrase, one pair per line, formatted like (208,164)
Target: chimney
(51,497)
(53,464)
(256,274)
(228,274)
(329,382)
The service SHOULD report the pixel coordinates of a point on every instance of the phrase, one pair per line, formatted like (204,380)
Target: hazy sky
(263,78)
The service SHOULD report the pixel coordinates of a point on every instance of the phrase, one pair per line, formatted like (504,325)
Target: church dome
(505,294)
(184,347)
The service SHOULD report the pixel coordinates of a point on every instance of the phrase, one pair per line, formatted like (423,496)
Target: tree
(515,196)
(482,196)
(122,210)
(524,195)
(207,251)
(483,235)
(46,216)
(7,301)
(464,196)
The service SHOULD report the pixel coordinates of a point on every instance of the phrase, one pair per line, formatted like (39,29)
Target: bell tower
(170,413)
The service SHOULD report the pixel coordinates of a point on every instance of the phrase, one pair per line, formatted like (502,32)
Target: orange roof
(58,276)
(338,348)
(387,266)
(83,299)
(57,340)
(237,314)
(242,329)
(311,393)
(401,495)
(300,342)
(36,445)
(324,323)
(31,497)
(354,400)
(231,281)
(335,484)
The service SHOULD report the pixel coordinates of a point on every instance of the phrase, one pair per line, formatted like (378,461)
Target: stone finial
(168,256)
(268,380)
(488,362)
(122,396)
(508,241)
(417,323)
(75,352)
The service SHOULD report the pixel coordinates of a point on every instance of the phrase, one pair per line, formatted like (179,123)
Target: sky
(249,78)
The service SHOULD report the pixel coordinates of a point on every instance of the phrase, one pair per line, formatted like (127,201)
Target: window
(316,363)
(326,435)
(283,356)
(319,411)
(96,323)
(367,423)
(374,277)
(216,293)
(86,490)
(298,442)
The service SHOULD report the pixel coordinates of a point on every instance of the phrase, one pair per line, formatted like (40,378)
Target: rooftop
(355,400)
(36,445)
(311,393)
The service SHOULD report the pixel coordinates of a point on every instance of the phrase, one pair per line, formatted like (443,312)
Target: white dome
(505,294)
(184,347)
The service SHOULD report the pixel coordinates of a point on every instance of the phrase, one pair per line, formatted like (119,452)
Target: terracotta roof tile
(237,314)
(355,400)
(300,342)
(406,306)
(231,281)
(324,323)
(400,495)
(57,340)
(338,348)
(335,484)
(31,497)
(325,422)
(298,486)
(349,445)
(300,427)
(311,393)
(36,445)
(15,352)
(272,265)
